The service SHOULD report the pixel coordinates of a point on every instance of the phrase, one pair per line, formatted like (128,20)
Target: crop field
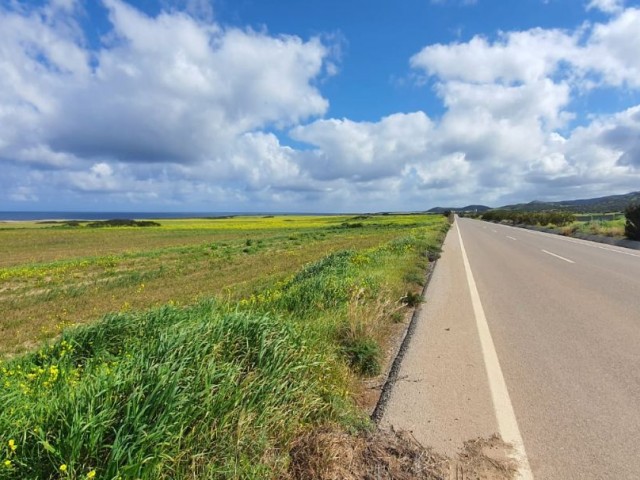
(198,348)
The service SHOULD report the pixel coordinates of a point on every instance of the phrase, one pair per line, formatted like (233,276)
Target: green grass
(219,388)
(609,228)
(173,393)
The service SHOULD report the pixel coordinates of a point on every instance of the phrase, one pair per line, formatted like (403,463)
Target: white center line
(506,417)
(558,256)
(512,238)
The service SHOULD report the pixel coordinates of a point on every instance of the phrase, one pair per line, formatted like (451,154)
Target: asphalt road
(564,318)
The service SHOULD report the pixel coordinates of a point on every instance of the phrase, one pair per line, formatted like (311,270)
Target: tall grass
(172,393)
(214,390)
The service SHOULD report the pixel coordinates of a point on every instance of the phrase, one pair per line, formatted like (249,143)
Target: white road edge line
(558,256)
(578,241)
(506,417)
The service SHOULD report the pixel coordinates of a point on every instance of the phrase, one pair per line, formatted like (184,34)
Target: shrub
(529,218)
(364,355)
(123,222)
(632,225)
(412,299)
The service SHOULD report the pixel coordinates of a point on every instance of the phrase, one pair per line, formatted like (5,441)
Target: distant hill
(611,203)
(468,208)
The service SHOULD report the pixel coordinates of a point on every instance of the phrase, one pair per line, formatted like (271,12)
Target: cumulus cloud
(604,52)
(169,89)
(364,150)
(515,57)
(508,107)
(611,52)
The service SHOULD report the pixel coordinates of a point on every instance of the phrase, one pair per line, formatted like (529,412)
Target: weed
(415,277)
(364,355)
(412,299)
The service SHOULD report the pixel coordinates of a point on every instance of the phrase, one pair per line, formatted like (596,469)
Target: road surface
(563,318)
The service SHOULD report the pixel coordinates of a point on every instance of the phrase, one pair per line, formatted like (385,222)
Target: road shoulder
(442,394)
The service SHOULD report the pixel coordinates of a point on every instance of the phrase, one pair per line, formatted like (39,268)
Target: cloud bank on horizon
(177,111)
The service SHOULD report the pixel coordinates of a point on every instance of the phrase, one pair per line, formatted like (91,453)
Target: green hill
(611,203)
(468,208)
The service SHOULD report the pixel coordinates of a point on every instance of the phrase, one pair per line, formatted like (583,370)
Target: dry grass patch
(330,454)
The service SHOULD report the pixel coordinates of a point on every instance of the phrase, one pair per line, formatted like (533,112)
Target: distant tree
(632,227)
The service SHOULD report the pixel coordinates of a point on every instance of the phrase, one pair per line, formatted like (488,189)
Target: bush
(412,299)
(515,217)
(364,355)
(123,222)
(632,226)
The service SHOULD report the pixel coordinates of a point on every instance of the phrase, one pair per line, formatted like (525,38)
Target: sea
(41,216)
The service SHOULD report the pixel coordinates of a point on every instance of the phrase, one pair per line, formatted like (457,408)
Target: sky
(315,105)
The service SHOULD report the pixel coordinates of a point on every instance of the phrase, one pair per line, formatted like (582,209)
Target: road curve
(564,317)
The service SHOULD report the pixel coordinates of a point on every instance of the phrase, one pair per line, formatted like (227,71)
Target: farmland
(199,348)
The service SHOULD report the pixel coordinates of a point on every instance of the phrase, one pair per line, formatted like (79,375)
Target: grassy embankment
(566,223)
(610,225)
(248,345)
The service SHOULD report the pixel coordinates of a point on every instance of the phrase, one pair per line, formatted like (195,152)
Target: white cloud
(604,50)
(508,108)
(454,2)
(166,89)
(607,6)
(362,151)
(515,57)
(612,50)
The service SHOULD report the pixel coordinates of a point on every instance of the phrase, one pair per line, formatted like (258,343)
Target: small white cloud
(607,6)
(515,57)
(454,2)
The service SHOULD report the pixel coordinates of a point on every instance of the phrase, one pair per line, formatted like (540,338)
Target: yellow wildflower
(63,467)
(91,474)
(12,445)
(7,463)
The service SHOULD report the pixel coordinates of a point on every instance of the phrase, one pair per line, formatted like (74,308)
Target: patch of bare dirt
(329,454)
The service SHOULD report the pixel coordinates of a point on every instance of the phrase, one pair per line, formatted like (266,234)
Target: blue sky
(254,105)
